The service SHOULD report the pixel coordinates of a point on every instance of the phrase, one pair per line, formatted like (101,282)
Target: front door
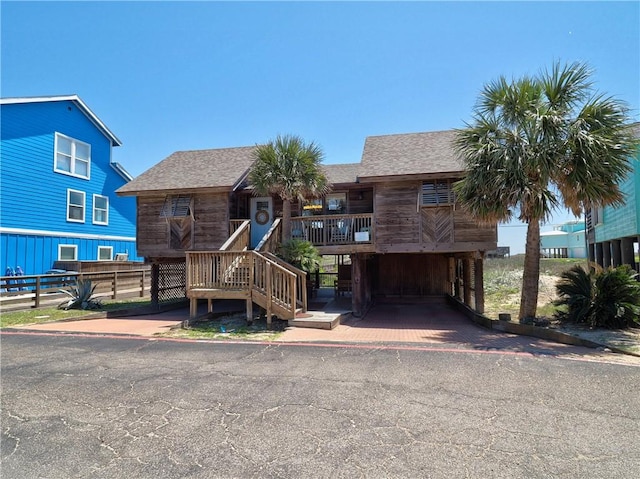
(261,218)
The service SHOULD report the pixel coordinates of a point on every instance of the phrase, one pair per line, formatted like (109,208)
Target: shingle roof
(410,154)
(183,170)
(343,173)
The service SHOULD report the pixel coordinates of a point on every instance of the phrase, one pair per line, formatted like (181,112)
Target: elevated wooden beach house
(394,214)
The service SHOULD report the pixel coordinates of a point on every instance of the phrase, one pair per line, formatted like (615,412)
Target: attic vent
(176,207)
(437,193)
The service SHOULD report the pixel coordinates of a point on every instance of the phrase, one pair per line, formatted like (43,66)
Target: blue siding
(36,254)
(34,196)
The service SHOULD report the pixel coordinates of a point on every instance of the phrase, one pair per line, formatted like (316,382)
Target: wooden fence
(23,292)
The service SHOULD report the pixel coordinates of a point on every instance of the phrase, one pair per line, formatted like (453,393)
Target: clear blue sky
(168,76)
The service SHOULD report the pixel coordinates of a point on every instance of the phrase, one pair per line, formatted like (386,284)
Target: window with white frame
(105,253)
(75,206)
(73,157)
(100,210)
(437,193)
(67,252)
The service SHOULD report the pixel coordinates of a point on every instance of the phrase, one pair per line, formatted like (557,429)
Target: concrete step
(318,319)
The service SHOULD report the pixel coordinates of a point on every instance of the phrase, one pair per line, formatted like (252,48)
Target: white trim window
(105,253)
(67,252)
(75,205)
(100,210)
(437,193)
(73,157)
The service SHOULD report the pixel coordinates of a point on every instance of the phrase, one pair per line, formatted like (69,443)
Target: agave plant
(608,298)
(80,296)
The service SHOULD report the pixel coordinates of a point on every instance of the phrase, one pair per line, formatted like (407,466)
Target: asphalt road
(76,407)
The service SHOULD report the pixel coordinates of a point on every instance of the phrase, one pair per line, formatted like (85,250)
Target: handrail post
(269,292)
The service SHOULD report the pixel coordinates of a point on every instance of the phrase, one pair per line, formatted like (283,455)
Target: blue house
(567,240)
(58,183)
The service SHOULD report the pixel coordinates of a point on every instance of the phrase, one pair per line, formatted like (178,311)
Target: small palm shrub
(81,296)
(300,253)
(608,298)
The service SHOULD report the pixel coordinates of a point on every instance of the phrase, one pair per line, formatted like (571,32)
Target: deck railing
(275,282)
(235,224)
(301,279)
(240,238)
(329,230)
(271,239)
(243,271)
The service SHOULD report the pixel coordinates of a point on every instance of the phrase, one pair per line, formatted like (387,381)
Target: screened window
(105,253)
(176,207)
(437,193)
(73,157)
(100,210)
(67,252)
(75,206)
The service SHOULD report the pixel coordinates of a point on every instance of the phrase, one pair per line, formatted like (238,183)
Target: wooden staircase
(235,272)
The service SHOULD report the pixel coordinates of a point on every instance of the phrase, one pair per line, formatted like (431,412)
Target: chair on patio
(298,231)
(341,232)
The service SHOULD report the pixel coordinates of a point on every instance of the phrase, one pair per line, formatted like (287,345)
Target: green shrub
(608,298)
(300,253)
(81,296)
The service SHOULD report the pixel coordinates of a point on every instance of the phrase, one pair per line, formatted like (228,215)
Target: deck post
(249,309)
(357,285)
(193,307)
(479,283)
(466,279)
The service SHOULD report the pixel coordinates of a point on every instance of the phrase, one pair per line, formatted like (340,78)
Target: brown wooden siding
(209,230)
(396,216)
(402,225)
(437,225)
(410,275)
(467,230)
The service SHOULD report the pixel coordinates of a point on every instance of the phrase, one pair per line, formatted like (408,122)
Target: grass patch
(503,284)
(44,315)
(232,327)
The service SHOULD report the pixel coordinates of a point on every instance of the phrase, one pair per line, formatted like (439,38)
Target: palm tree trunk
(531,273)
(286,220)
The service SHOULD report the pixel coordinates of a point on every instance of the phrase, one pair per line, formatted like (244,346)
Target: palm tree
(536,144)
(290,168)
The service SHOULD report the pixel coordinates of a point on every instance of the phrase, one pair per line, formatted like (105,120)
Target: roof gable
(197,169)
(410,154)
(77,101)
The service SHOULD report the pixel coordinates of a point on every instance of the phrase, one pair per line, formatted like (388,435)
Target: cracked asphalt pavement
(75,407)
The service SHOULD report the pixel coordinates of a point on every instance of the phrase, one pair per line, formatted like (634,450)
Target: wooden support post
(193,307)
(155,284)
(451,275)
(142,281)
(249,310)
(479,284)
(356,285)
(466,280)
(210,305)
(115,285)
